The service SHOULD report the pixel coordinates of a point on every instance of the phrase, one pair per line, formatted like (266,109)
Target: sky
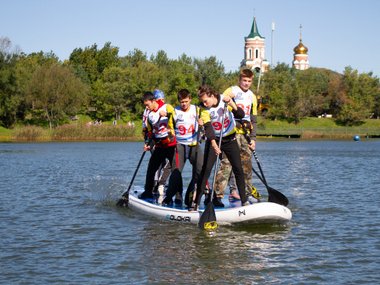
(338,33)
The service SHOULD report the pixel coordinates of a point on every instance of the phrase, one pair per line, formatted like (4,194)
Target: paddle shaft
(218,156)
(196,154)
(134,174)
(273,194)
(258,175)
(259,165)
(208,216)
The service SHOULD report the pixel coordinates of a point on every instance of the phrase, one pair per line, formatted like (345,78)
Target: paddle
(190,197)
(207,221)
(123,201)
(274,195)
(175,183)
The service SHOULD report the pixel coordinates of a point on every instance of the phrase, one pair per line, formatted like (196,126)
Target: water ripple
(60,224)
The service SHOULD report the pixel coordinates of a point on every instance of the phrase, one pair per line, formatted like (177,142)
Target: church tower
(254,50)
(301,58)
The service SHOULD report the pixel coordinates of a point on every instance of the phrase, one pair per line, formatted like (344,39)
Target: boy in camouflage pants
(245,136)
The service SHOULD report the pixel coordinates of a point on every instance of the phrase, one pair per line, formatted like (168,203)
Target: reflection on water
(186,253)
(60,224)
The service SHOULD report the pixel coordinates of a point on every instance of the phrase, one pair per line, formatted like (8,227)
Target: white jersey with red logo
(244,100)
(214,114)
(158,124)
(186,125)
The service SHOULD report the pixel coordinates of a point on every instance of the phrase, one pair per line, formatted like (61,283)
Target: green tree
(180,74)
(277,87)
(84,63)
(56,91)
(361,91)
(10,97)
(210,71)
(26,65)
(134,58)
(89,63)
(114,87)
(312,87)
(376,109)
(160,59)
(143,77)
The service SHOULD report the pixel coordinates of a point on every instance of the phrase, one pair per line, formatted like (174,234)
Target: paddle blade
(123,201)
(207,221)
(175,183)
(276,196)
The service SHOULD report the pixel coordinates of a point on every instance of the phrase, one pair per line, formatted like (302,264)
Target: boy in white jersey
(164,170)
(159,129)
(245,134)
(213,116)
(186,129)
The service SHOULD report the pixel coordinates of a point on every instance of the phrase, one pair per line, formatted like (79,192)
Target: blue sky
(338,33)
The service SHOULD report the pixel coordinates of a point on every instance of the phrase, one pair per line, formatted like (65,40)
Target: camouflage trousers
(225,170)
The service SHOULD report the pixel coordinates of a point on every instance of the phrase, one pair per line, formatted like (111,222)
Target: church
(254,52)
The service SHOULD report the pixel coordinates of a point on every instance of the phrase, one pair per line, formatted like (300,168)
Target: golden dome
(300,49)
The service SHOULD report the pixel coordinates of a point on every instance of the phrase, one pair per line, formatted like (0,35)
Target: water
(59,223)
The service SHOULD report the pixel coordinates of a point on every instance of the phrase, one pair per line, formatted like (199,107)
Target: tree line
(39,89)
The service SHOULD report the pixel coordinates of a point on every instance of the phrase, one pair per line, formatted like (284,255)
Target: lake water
(59,223)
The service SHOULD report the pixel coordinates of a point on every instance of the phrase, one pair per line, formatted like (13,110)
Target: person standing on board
(186,129)
(163,173)
(245,136)
(160,130)
(213,115)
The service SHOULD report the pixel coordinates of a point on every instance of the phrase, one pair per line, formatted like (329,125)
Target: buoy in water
(356,138)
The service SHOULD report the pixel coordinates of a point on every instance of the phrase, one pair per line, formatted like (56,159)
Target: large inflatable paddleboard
(232,213)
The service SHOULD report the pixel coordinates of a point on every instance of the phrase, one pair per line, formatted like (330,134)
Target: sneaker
(146,195)
(234,196)
(188,198)
(178,199)
(246,204)
(207,199)
(193,207)
(252,200)
(255,193)
(167,202)
(218,202)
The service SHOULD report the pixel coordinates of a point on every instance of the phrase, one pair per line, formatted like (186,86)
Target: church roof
(254,31)
(300,48)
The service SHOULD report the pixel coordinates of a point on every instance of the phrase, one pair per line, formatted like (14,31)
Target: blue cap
(158,94)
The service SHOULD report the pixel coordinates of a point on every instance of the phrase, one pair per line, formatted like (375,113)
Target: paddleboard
(232,213)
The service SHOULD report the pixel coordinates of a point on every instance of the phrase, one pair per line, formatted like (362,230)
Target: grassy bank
(79,132)
(310,128)
(313,128)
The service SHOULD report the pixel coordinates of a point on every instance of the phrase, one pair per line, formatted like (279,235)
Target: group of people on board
(173,135)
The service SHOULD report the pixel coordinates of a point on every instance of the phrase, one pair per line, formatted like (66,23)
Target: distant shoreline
(315,136)
(307,129)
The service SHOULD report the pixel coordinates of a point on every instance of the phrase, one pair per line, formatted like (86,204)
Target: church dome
(300,48)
